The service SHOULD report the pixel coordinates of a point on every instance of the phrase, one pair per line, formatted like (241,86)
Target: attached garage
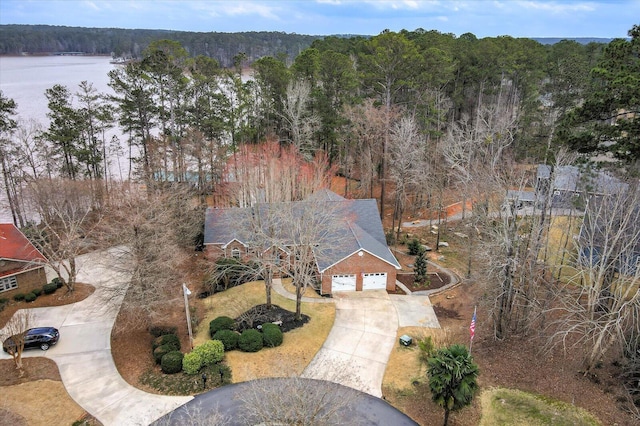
(343,282)
(374,281)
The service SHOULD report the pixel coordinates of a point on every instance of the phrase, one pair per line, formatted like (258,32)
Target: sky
(484,18)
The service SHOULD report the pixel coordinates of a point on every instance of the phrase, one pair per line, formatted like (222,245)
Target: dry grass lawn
(404,368)
(25,400)
(299,346)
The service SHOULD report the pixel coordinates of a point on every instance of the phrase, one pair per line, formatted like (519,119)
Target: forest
(415,119)
(125,43)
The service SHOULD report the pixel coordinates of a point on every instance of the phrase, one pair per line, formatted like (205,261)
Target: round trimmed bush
(30,297)
(167,339)
(211,352)
(161,351)
(37,291)
(250,341)
(19,297)
(49,288)
(221,323)
(271,335)
(171,362)
(228,338)
(58,282)
(192,363)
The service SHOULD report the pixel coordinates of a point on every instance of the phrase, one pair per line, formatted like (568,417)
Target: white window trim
(9,283)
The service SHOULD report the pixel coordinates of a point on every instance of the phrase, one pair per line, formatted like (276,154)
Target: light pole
(186,293)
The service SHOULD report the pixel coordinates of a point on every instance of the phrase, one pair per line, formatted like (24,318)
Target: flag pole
(472,329)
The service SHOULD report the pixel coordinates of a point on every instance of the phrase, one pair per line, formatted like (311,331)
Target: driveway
(357,349)
(83,353)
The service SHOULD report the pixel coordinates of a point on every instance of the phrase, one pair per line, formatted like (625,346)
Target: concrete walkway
(83,353)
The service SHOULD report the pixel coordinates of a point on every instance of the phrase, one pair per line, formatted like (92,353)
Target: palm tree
(452,378)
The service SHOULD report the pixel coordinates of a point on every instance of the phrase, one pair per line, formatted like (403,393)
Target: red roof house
(21,264)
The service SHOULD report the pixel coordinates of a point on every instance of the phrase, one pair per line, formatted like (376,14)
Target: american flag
(472,327)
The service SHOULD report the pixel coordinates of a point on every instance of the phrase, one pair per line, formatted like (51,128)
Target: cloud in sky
(484,18)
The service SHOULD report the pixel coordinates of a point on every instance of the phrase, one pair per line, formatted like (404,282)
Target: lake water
(25,79)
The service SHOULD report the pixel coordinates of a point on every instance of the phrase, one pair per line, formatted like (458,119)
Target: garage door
(343,283)
(377,281)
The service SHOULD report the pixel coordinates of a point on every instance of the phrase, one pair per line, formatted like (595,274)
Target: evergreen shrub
(271,335)
(250,341)
(171,362)
(49,288)
(228,338)
(221,323)
(162,350)
(211,352)
(30,297)
(191,363)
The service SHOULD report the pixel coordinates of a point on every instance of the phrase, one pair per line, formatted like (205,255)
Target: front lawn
(289,359)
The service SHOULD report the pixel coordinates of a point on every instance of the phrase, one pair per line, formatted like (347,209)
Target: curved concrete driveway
(83,353)
(357,349)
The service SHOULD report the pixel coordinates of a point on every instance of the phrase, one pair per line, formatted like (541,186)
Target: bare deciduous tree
(298,120)
(155,228)
(16,329)
(67,214)
(601,299)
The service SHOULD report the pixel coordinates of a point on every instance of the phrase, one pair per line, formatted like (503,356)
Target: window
(7,284)
(235,253)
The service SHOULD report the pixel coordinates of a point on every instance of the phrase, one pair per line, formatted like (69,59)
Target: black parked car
(40,337)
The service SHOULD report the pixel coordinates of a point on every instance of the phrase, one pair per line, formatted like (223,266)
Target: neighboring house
(360,260)
(570,185)
(21,264)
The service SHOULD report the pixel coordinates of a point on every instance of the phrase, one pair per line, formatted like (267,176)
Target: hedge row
(49,288)
(222,329)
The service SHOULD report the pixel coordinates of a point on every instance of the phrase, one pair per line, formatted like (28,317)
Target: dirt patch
(434,281)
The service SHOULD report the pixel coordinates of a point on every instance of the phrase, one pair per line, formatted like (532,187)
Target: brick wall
(359,265)
(27,281)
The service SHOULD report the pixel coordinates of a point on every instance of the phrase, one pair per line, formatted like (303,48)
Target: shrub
(250,341)
(191,363)
(37,291)
(162,350)
(221,323)
(166,339)
(18,297)
(161,330)
(228,338)
(211,352)
(58,282)
(30,297)
(271,335)
(171,362)
(49,288)
(415,248)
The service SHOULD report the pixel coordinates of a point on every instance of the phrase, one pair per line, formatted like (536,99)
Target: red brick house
(360,260)
(21,264)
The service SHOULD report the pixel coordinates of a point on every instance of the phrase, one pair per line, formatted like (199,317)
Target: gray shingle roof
(355,225)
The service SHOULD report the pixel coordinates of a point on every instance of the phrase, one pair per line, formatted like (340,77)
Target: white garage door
(377,281)
(343,283)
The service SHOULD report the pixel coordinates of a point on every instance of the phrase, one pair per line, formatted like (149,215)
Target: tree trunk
(268,284)
(446,416)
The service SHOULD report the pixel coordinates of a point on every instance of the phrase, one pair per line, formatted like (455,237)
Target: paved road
(291,399)
(83,353)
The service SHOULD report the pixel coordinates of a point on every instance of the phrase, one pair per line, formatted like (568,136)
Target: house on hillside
(21,264)
(570,185)
(358,260)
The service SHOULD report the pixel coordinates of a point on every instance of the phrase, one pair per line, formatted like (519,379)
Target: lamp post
(186,293)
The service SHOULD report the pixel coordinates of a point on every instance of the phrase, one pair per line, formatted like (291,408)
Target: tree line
(131,43)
